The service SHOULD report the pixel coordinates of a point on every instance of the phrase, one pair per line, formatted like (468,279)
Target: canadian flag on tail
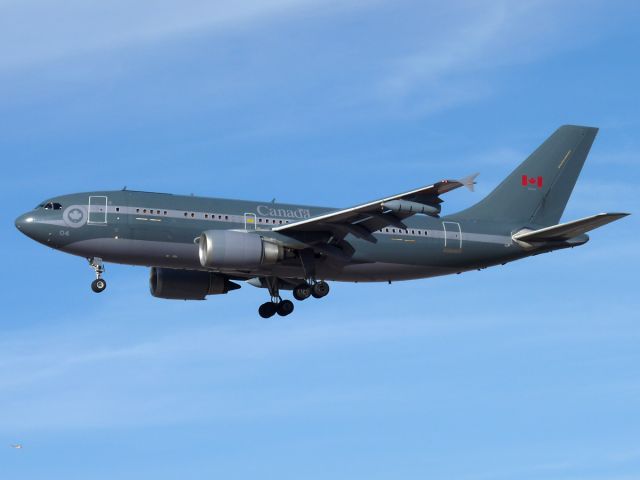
(531,181)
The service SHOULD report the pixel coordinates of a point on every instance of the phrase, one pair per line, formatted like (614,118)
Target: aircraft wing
(565,231)
(363,220)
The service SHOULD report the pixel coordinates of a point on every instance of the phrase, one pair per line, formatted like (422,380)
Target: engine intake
(187,284)
(226,249)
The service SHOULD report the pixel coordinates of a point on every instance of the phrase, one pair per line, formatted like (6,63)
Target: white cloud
(449,65)
(45,30)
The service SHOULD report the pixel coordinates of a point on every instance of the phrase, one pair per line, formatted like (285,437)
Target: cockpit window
(52,206)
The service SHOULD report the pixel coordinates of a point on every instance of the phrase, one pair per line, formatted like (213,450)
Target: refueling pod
(412,207)
(228,249)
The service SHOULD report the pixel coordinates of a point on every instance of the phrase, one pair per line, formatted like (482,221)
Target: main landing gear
(285,307)
(306,290)
(99,284)
(300,292)
(277,304)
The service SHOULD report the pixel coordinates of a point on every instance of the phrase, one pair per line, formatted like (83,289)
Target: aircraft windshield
(51,206)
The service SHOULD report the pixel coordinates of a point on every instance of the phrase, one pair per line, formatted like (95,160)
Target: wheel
(302,291)
(285,307)
(98,285)
(320,289)
(267,310)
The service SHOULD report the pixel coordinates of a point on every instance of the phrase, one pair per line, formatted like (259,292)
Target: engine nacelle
(227,249)
(187,284)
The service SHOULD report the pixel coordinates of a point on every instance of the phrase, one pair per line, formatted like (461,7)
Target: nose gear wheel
(99,284)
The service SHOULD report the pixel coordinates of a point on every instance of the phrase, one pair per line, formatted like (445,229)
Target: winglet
(469,181)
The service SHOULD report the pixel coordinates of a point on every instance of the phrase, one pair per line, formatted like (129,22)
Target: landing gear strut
(276,305)
(99,284)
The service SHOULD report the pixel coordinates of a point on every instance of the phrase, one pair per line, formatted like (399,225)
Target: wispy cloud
(452,63)
(43,30)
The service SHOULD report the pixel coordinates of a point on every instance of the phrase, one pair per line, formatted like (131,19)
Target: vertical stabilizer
(538,190)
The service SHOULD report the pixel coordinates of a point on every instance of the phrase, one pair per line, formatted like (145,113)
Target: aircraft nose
(24,223)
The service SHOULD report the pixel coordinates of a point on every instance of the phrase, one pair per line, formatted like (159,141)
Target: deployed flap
(565,231)
(364,219)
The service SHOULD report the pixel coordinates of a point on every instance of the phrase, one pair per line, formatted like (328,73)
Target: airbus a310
(200,246)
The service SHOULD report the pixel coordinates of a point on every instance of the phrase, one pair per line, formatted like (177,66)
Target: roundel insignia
(75,216)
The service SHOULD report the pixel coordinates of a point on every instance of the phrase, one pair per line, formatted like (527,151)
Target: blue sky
(526,371)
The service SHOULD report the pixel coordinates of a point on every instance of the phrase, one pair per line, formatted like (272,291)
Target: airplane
(197,246)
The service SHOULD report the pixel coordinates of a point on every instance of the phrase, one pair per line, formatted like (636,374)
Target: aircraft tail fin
(538,190)
(566,231)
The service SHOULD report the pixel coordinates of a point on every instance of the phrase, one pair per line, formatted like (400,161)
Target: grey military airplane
(199,246)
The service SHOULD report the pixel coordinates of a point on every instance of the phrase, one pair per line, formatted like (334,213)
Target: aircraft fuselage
(162,230)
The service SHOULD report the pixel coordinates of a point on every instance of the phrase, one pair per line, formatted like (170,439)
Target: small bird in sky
(17,446)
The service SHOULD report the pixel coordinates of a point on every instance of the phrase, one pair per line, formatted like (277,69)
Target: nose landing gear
(99,284)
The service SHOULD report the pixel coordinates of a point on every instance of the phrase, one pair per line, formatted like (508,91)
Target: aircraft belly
(380,272)
(138,252)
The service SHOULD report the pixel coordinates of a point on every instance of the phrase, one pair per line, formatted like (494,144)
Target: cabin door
(249,221)
(98,209)
(452,236)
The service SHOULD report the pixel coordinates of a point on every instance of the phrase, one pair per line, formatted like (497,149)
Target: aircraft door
(250,221)
(97,209)
(452,236)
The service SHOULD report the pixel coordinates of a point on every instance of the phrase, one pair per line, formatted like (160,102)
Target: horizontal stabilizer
(565,231)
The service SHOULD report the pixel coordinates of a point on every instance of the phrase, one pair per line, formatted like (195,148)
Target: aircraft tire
(320,289)
(98,285)
(268,310)
(302,291)
(285,307)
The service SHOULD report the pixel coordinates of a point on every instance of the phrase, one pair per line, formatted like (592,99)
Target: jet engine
(227,249)
(187,284)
